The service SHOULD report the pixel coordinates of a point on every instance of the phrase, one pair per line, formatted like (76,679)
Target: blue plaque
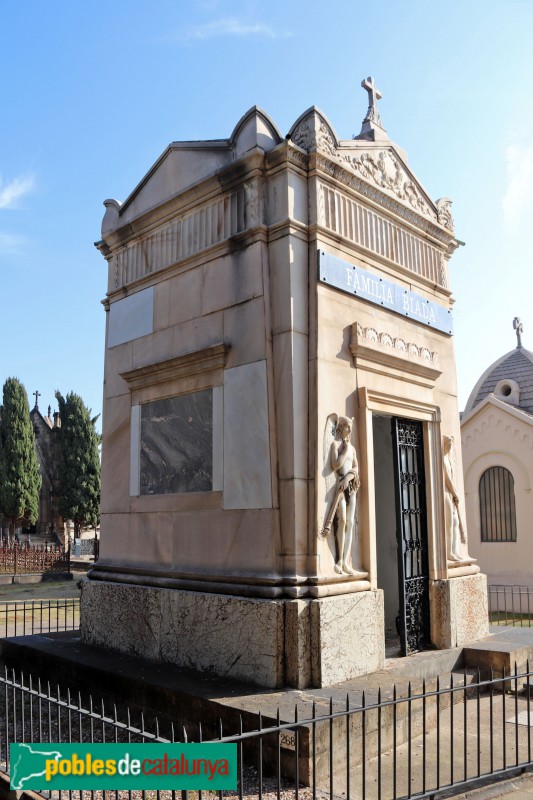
(381,292)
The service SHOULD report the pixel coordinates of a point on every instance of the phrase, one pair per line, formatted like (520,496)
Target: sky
(93,92)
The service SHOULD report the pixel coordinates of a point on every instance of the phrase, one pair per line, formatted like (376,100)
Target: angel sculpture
(342,482)
(455,532)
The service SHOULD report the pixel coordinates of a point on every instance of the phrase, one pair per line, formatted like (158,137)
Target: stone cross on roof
(374,94)
(37,395)
(519,329)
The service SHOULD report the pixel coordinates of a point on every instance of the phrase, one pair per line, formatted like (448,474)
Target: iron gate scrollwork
(411,532)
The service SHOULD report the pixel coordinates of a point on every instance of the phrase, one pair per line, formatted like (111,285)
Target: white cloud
(231,27)
(518,198)
(10,193)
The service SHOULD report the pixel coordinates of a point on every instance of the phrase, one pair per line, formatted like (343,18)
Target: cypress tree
(20,479)
(79,464)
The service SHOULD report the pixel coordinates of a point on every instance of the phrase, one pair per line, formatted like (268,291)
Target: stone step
(500,652)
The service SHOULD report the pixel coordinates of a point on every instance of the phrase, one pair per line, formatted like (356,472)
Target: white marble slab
(246,438)
(131,317)
(135,451)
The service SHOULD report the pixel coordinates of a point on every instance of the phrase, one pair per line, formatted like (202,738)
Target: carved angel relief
(383,168)
(455,528)
(341,473)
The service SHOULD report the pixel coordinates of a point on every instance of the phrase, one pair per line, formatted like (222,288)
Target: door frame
(413,590)
(372,402)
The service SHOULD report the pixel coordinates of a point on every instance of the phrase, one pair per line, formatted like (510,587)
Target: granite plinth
(459,610)
(298,643)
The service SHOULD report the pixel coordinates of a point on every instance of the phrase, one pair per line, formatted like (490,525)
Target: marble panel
(197,333)
(298,197)
(162,305)
(137,540)
(244,329)
(293,502)
(289,267)
(232,279)
(233,543)
(347,636)
(177,444)
(131,317)
(291,396)
(135,452)
(247,477)
(218,438)
(115,454)
(114,532)
(117,359)
(180,503)
(185,296)
(152,349)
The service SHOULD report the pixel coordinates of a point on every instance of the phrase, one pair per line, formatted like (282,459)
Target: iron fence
(87,547)
(405,744)
(17,559)
(511,605)
(28,617)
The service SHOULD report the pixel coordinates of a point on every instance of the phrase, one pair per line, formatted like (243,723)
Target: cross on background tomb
(374,94)
(519,329)
(37,395)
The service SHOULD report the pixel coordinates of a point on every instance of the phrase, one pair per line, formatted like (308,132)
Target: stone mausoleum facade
(281,464)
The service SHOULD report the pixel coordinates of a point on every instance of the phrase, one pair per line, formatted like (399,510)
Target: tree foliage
(80,463)
(20,479)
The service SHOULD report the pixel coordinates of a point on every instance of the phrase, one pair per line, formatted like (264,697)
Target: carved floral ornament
(380,167)
(406,349)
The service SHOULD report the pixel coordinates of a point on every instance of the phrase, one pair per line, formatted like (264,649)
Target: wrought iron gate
(411,533)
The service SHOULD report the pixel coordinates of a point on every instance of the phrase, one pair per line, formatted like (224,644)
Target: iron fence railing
(511,605)
(17,559)
(28,617)
(401,744)
(87,547)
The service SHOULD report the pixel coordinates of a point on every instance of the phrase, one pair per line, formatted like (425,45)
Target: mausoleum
(281,460)
(497,441)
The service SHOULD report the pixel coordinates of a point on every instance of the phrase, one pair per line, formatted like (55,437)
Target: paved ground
(517,788)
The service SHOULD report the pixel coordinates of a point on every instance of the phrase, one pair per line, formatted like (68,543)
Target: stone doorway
(401,532)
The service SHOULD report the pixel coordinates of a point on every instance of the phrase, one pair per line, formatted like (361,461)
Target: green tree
(80,463)
(20,479)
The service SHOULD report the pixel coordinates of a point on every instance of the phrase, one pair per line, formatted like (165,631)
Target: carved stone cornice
(209,358)
(297,158)
(346,176)
(386,352)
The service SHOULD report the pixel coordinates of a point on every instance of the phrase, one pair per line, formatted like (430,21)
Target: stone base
(298,643)
(459,610)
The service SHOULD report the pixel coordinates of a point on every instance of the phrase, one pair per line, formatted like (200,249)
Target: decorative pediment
(254,129)
(384,168)
(378,162)
(313,131)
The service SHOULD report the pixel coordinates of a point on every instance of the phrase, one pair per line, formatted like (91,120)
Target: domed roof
(510,379)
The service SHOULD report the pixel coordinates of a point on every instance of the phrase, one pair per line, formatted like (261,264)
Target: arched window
(497,505)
